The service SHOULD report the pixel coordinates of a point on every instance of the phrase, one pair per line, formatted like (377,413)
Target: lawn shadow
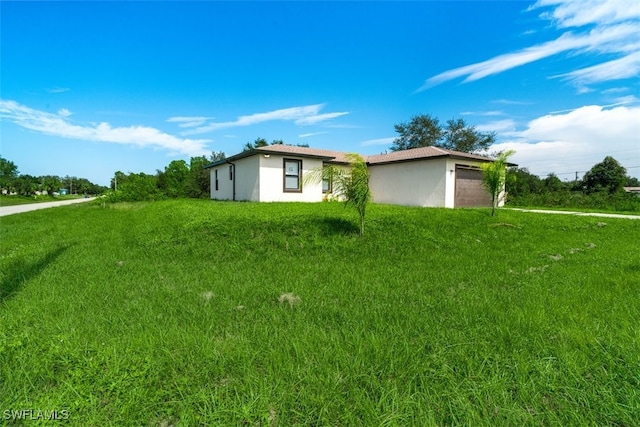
(338,226)
(20,271)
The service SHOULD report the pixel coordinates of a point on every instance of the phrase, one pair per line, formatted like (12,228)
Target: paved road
(10,210)
(603,215)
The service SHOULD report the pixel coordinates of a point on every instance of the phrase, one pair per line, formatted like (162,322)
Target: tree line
(12,182)
(602,187)
(178,179)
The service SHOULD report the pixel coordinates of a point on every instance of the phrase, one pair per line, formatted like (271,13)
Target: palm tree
(493,177)
(350,184)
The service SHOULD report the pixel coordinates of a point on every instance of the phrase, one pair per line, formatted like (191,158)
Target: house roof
(421,153)
(327,155)
(342,156)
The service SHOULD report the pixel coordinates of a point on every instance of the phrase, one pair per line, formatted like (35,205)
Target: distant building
(634,190)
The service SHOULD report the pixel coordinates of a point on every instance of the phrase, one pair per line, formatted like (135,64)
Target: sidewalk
(10,210)
(603,215)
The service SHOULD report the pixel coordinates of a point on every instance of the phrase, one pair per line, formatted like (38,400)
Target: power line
(588,155)
(572,173)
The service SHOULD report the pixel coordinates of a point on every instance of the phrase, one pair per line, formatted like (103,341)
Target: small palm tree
(493,177)
(351,184)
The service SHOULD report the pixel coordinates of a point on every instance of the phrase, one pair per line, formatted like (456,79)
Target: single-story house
(427,176)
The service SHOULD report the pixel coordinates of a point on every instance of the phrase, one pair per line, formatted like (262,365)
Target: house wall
(272,177)
(414,183)
(225,189)
(450,185)
(246,180)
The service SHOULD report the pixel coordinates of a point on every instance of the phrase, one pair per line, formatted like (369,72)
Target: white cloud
(616,69)
(312,120)
(577,140)
(579,13)
(64,112)
(613,29)
(58,89)
(510,102)
(189,122)
(304,115)
(616,90)
(378,141)
(499,126)
(307,135)
(58,125)
(483,113)
(629,99)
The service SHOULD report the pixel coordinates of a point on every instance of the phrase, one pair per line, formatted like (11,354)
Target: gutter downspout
(233,166)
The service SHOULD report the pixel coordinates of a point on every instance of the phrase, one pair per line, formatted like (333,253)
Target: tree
(356,190)
(199,181)
(51,184)
(520,182)
(426,131)
(26,185)
(421,131)
(352,184)
(493,177)
(259,142)
(552,183)
(173,181)
(137,187)
(8,173)
(632,181)
(608,175)
(459,136)
(217,155)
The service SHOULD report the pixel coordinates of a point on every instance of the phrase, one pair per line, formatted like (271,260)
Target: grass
(566,209)
(213,313)
(14,200)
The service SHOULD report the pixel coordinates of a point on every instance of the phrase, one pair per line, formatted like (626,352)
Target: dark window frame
(329,182)
(230,172)
(284,176)
(216,178)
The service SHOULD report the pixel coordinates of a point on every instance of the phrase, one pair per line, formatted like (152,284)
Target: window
(327,183)
(292,175)
(216,178)
(230,172)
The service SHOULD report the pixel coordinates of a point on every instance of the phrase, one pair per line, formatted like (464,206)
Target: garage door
(469,189)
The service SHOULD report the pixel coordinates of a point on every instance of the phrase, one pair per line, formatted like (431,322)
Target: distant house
(426,176)
(633,190)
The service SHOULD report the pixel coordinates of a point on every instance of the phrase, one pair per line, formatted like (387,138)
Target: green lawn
(212,313)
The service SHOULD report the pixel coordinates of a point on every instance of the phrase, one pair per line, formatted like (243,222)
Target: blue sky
(90,88)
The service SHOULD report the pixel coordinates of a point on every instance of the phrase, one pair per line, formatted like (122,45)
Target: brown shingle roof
(421,153)
(342,156)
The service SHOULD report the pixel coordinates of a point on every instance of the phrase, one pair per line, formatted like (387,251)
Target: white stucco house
(427,176)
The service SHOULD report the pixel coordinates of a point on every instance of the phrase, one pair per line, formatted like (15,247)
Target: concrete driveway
(10,210)
(603,215)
